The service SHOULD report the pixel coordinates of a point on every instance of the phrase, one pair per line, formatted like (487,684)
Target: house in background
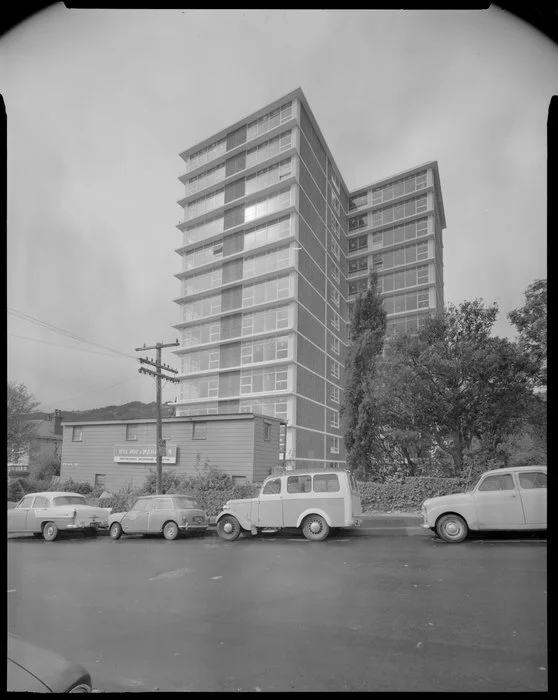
(46,444)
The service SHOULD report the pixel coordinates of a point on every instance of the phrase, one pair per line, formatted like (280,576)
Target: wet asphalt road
(389,607)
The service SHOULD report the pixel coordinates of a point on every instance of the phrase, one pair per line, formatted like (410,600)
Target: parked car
(314,501)
(169,514)
(513,498)
(31,669)
(50,512)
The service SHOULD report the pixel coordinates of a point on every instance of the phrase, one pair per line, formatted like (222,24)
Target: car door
(36,515)
(270,505)
(498,504)
(136,519)
(532,491)
(161,511)
(17,516)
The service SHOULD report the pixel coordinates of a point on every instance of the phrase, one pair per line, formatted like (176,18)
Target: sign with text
(143,453)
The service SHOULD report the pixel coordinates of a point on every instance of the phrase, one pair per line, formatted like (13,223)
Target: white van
(314,501)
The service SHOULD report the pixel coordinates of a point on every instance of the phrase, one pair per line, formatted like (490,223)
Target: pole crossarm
(165,367)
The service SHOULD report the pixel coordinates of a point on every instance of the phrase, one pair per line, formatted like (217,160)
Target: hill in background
(134,409)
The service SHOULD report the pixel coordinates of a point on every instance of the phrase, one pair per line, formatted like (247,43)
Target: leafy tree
(454,384)
(47,468)
(20,432)
(531,323)
(366,335)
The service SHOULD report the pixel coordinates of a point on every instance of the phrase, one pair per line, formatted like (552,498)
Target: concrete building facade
(114,454)
(274,248)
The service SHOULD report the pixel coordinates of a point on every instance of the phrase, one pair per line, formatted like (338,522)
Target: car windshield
(69,501)
(473,485)
(185,502)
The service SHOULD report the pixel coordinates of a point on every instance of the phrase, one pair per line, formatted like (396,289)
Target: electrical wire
(68,334)
(60,345)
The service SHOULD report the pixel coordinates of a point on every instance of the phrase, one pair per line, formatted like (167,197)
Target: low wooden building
(112,454)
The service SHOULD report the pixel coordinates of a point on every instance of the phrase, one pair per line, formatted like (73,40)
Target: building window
(237,480)
(335,346)
(334,296)
(335,369)
(334,419)
(336,203)
(359,243)
(269,121)
(199,431)
(359,200)
(335,274)
(267,431)
(335,321)
(334,393)
(334,445)
(335,180)
(335,249)
(131,432)
(77,433)
(100,480)
(357,222)
(358,265)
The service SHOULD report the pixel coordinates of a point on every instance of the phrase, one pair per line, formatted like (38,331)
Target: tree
(454,383)
(366,336)
(20,432)
(531,323)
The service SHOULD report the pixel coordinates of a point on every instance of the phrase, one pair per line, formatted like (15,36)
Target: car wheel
(50,532)
(228,528)
(115,531)
(315,528)
(452,528)
(170,531)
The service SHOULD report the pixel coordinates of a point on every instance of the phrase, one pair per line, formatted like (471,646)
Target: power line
(61,345)
(68,334)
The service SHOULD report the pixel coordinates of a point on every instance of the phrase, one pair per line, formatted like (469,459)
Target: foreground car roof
(517,469)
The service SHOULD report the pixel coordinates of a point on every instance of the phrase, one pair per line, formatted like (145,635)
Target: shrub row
(213,488)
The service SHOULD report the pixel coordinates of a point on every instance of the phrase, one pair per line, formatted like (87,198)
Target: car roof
(54,493)
(517,469)
(166,495)
(304,472)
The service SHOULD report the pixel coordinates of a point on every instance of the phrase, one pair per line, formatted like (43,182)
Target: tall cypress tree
(366,341)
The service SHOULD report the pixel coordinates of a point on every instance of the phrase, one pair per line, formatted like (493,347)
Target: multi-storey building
(274,247)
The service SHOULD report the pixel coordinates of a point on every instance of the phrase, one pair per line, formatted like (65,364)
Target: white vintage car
(512,498)
(49,512)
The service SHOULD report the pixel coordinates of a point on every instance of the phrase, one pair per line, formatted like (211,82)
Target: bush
(408,493)
(82,487)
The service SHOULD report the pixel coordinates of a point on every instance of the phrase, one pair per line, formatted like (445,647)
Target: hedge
(407,494)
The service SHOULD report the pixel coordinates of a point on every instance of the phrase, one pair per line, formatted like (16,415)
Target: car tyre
(170,530)
(115,531)
(315,528)
(452,528)
(228,528)
(50,532)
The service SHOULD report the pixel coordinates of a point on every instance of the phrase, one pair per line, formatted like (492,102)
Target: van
(314,501)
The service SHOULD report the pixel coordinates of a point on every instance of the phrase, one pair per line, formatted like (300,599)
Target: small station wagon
(314,501)
(169,514)
(512,498)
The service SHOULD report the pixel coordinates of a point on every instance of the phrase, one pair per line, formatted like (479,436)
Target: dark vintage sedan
(169,514)
(31,669)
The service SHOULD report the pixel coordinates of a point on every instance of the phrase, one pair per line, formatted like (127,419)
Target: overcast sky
(101,102)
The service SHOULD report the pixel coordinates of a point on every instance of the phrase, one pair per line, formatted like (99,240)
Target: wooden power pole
(160,447)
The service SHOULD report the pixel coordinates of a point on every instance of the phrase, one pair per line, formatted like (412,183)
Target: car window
(25,502)
(326,482)
(184,502)
(41,502)
(161,504)
(497,482)
(299,484)
(532,480)
(142,505)
(69,501)
(273,486)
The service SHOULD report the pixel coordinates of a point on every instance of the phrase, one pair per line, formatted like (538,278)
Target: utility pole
(160,448)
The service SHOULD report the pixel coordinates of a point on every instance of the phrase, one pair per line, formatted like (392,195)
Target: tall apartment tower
(274,249)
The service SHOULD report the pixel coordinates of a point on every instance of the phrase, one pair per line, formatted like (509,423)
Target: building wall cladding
(233,445)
